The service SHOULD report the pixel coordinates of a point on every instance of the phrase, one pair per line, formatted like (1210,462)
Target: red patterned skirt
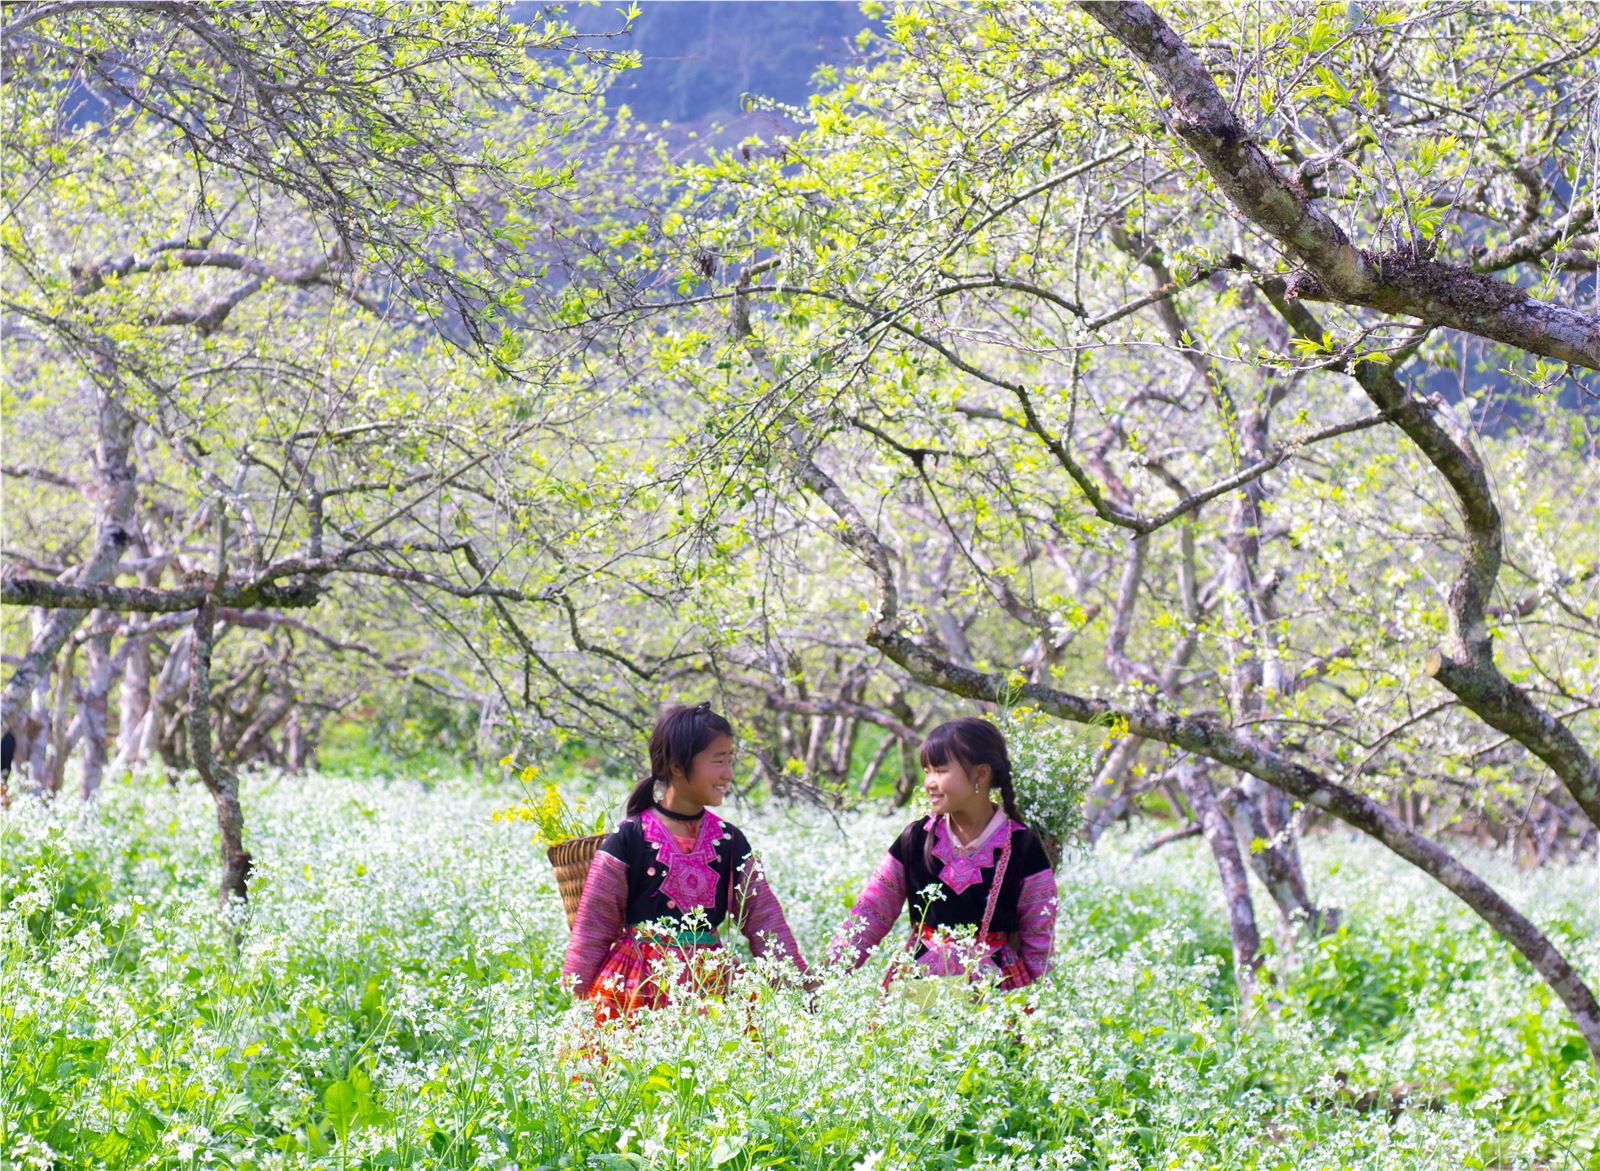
(646,968)
(939,955)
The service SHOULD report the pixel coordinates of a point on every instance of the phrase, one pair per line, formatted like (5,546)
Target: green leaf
(339,1103)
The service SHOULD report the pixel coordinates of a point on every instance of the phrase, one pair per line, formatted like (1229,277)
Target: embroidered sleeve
(1036,921)
(760,916)
(909,842)
(619,841)
(874,914)
(601,914)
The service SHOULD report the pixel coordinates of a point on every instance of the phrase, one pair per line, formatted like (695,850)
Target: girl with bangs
(971,864)
(661,887)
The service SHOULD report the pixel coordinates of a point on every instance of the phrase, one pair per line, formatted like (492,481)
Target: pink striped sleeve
(601,914)
(874,914)
(1036,921)
(760,916)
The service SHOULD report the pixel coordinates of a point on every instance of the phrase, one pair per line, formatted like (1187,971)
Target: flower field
(393,1001)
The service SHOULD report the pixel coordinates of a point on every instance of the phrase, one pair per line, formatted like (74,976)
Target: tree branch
(1215,742)
(1401,281)
(70,596)
(1204,738)
(1467,669)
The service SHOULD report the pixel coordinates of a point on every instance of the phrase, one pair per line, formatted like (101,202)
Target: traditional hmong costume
(1001,884)
(636,912)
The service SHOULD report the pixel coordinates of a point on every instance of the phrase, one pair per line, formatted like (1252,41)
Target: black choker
(660,808)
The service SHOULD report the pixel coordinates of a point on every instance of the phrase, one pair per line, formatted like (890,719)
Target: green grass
(393,1001)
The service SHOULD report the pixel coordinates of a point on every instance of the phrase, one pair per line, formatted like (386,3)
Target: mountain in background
(699,59)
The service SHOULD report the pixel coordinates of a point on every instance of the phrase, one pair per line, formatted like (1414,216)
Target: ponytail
(681,732)
(971,742)
(1008,795)
(641,797)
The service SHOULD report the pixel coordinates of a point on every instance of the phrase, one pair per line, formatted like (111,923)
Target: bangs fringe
(941,747)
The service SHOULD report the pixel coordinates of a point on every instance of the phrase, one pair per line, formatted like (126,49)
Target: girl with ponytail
(973,863)
(662,885)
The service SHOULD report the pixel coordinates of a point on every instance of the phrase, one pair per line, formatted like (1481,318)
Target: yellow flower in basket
(570,835)
(554,821)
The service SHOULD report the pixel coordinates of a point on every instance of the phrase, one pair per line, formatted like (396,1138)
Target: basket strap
(989,904)
(994,891)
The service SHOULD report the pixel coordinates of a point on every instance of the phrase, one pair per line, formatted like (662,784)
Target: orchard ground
(393,1001)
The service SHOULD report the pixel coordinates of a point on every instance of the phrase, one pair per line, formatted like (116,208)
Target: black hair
(970,742)
(681,732)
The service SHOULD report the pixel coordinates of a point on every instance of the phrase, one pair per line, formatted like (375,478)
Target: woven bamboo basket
(571,860)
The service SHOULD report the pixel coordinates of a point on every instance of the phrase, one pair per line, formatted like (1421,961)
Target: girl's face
(710,774)
(952,789)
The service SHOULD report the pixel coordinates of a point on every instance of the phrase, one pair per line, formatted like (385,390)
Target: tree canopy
(1222,379)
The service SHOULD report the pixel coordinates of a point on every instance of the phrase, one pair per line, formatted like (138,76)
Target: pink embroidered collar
(691,877)
(996,820)
(964,866)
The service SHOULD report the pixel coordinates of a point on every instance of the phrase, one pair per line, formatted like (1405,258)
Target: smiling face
(962,760)
(710,775)
(951,788)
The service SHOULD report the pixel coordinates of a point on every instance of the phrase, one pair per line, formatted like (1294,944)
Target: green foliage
(990,200)
(1052,767)
(985,285)
(352,747)
(393,1002)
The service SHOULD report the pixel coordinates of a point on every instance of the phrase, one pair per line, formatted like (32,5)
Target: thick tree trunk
(93,711)
(816,741)
(295,744)
(137,683)
(37,743)
(220,782)
(1218,833)
(115,493)
(171,685)
(64,731)
(34,731)
(133,702)
(845,731)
